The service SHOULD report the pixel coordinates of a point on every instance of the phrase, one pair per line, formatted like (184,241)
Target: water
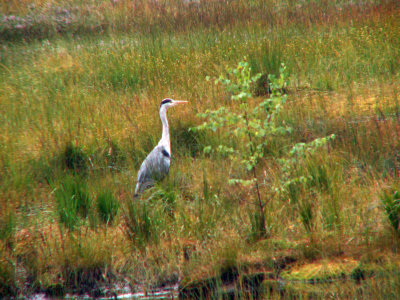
(167,292)
(384,285)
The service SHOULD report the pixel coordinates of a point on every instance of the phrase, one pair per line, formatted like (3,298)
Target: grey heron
(156,165)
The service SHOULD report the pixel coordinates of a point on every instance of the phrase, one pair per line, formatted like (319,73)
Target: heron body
(156,165)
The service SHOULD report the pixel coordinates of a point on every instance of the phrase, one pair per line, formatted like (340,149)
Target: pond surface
(167,292)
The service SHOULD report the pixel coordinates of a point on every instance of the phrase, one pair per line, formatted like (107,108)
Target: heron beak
(176,102)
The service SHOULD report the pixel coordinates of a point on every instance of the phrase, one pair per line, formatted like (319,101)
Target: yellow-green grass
(100,95)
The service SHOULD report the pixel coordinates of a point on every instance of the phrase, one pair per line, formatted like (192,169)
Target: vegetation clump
(107,206)
(143,224)
(391,204)
(73,200)
(75,158)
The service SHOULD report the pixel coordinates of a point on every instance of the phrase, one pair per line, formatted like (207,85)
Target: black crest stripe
(165,101)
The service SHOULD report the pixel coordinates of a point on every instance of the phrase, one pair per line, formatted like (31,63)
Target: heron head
(168,102)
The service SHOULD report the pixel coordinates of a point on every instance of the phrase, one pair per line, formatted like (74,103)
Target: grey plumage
(156,165)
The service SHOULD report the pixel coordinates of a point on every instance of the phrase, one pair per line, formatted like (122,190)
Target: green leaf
(207,149)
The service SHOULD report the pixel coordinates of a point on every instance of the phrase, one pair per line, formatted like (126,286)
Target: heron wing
(154,167)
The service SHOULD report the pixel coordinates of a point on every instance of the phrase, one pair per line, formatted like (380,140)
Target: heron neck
(165,129)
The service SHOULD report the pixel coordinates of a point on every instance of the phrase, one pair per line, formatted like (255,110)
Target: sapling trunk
(260,203)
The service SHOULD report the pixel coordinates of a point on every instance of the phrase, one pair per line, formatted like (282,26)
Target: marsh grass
(107,207)
(143,223)
(73,201)
(75,159)
(79,105)
(187,142)
(7,229)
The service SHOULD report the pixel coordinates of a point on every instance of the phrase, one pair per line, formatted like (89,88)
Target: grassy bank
(79,112)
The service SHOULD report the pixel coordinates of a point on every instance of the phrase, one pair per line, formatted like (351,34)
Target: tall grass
(73,200)
(143,223)
(107,207)
(80,86)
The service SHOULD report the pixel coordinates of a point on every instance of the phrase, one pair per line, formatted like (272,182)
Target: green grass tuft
(75,158)
(143,223)
(73,200)
(107,207)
